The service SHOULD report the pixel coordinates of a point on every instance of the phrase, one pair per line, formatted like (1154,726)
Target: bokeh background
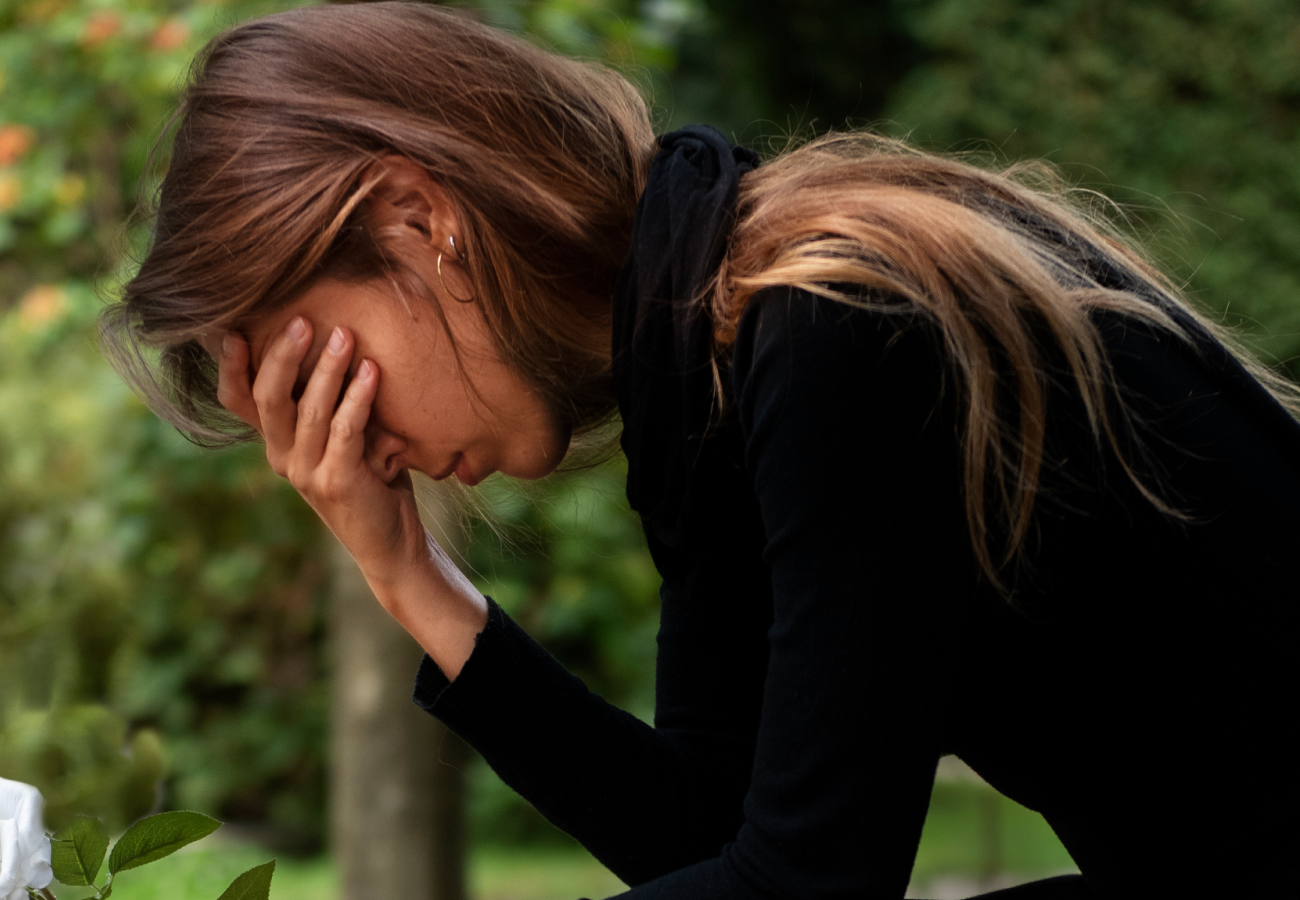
(164,611)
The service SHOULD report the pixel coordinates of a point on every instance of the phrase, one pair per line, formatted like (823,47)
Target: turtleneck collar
(662,336)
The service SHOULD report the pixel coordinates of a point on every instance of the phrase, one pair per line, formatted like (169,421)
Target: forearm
(643,801)
(318,442)
(436,604)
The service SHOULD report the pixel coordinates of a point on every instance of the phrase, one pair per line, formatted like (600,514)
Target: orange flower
(15,140)
(41,305)
(171,35)
(100,27)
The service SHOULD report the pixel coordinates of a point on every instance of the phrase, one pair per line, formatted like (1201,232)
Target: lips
(464,474)
(463,471)
(451,467)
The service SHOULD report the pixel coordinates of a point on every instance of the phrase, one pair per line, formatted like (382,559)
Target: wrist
(434,601)
(393,562)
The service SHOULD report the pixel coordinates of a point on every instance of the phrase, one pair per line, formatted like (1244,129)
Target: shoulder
(867,353)
(848,419)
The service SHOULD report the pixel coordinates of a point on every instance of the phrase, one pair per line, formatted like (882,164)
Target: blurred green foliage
(1189,110)
(86,86)
(147,587)
(757,68)
(176,588)
(150,589)
(80,756)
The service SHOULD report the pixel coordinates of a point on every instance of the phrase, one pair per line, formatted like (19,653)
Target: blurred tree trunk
(397,792)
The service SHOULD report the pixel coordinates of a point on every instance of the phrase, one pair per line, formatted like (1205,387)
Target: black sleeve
(853,464)
(851,452)
(645,801)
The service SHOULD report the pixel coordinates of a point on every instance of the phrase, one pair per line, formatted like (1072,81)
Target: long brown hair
(1008,265)
(267,189)
(545,158)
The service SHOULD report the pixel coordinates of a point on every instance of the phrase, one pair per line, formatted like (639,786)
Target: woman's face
(433,413)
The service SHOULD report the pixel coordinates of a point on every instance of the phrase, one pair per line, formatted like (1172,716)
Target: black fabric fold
(662,337)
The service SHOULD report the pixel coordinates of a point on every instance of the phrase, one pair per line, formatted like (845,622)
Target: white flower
(24,845)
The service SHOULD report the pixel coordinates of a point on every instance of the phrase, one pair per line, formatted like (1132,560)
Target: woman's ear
(406,197)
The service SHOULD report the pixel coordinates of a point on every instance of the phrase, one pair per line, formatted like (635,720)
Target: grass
(539,874)
(203,873)
(973,837)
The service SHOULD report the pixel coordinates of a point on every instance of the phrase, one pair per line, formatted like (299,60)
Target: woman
(928,463)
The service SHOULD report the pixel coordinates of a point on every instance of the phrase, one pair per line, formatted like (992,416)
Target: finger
(234,390)
(273,387)
(317,403)
(347,436)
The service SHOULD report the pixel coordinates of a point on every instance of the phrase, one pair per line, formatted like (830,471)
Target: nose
(384,452)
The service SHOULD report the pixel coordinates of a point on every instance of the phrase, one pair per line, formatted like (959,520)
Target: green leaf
(255,884)
(78,849)
(158,836)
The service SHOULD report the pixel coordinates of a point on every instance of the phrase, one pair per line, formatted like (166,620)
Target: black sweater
(825,635)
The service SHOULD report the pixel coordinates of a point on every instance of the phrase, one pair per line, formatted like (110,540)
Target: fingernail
(227,345)
(365,371)
(335,345)
(297,328)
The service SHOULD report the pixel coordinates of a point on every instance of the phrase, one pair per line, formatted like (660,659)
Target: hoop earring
(441,280)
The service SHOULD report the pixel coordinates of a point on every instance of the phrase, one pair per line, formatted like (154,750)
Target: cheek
(389,416)
(413,407)
(423,369)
